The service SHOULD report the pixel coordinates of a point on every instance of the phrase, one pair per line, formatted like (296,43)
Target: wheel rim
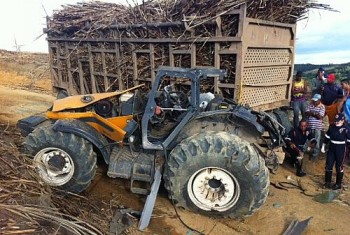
(213,189)
(54,166)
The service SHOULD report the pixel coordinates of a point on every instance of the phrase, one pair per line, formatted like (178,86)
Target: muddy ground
(21,96)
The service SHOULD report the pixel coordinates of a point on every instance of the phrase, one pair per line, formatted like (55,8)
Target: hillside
(28,70)
(341,70)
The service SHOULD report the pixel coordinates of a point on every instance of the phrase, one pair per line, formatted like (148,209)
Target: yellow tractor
(201,144)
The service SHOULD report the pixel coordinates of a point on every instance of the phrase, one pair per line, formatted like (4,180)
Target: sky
(325,36)
(321,39)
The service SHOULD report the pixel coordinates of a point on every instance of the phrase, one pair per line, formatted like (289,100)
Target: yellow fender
(80,101)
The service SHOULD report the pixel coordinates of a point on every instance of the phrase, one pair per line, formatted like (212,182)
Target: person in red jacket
(331,95)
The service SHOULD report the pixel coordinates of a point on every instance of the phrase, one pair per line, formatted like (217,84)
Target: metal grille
(254,57)
(255,96)
(265,75)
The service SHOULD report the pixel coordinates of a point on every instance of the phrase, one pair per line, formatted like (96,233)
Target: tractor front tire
(217,174)
(62,159)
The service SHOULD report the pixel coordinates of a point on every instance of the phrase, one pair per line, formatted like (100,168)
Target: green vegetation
(309,70)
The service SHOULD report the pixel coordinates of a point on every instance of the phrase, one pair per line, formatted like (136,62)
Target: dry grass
(85,17)
(27,206)
(25,70)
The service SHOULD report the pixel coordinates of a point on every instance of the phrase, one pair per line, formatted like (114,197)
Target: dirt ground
(20,97)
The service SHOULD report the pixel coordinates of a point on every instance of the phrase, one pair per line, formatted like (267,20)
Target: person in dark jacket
(297,142)
(338,135)
(331,95)
(318,82)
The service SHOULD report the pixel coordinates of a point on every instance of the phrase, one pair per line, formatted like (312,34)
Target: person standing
(331,95)
(318,81)
(338,135)
(344,107)
(296,144)
(344,104)
(299,90)
(315,113)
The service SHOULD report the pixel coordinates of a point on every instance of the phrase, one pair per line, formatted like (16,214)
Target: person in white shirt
(315,113)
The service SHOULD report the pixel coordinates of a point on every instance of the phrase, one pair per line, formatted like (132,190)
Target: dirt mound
(25,70)
(20,75)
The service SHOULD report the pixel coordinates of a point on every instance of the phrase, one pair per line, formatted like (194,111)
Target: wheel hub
(54,166)
(215,186)
(57,163)
(213,189)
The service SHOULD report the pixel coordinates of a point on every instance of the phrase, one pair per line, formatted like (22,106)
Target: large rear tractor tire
(217,174)
(62,159)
